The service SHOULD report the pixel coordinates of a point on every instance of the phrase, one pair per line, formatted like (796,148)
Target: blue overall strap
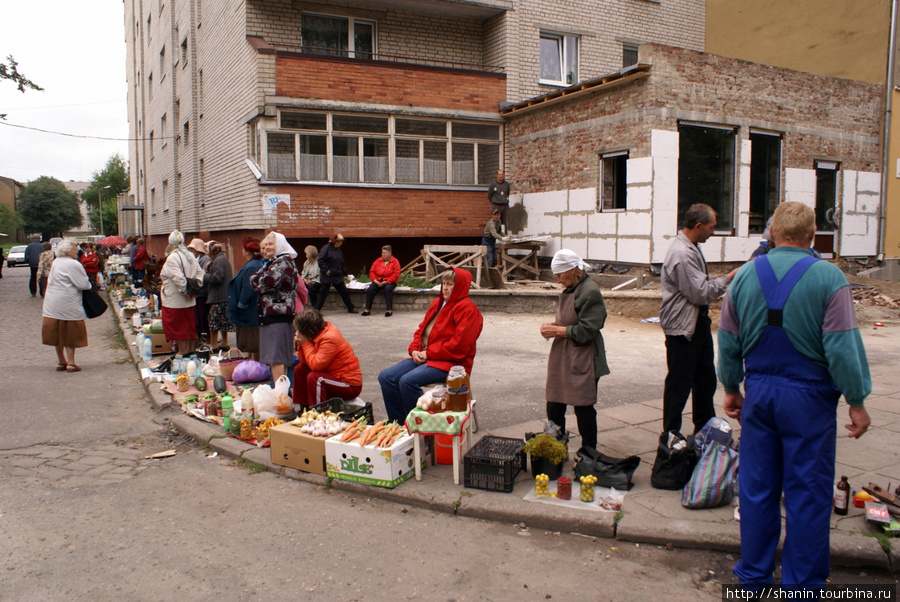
(775,291)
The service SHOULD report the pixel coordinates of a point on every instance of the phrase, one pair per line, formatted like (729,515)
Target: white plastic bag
(275,402)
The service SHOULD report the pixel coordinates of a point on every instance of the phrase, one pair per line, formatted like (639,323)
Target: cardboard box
(294,449)
(160,345)
(370,465)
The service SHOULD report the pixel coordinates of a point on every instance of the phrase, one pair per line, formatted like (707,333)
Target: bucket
(443,445)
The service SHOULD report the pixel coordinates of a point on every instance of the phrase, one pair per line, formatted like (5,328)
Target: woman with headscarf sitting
(577,357)
(445,338)
(243,301)
(328,367)
(218,275)
(180,276)
(282,295)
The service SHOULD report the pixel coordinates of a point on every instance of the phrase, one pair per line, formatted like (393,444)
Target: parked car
(55,241)
(16,256)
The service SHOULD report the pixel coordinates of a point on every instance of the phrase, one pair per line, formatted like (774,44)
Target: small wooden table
(527,262)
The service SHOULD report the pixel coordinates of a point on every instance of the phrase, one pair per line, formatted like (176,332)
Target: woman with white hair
(577,357)
(63,325)
(282,295)
(181,275)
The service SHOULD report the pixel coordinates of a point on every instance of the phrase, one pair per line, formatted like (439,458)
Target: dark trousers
(491,250)
(692,371)
(312,290)
(341,288)
(388,295)
(585,416)
(32,282)
(503,210)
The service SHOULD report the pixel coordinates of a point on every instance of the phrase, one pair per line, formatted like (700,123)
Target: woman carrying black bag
(63,324)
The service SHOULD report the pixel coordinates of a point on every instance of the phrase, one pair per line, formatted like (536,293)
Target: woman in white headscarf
(577,357)
(179,275)
(282,295)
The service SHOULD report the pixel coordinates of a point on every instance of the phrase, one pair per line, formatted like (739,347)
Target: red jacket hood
(460,287)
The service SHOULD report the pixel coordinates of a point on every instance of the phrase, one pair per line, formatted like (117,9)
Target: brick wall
(387,83)
(320,211)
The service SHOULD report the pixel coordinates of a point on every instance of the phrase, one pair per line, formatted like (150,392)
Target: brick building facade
(606,168)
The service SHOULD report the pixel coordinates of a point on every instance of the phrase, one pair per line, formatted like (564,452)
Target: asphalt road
(83,514)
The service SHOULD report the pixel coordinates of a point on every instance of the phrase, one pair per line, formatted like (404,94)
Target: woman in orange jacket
(328,367)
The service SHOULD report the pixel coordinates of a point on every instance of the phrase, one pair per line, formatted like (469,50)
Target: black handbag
(610,472)
(672,468)
(93,303)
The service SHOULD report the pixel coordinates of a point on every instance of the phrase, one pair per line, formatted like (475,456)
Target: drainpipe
(886,137)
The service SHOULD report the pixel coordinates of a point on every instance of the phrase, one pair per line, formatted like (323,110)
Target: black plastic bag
(675,461)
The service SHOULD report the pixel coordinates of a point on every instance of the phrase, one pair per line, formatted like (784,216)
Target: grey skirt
(276,343)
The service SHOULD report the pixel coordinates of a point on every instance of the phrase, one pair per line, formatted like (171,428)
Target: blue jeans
(491,251)
(401,386)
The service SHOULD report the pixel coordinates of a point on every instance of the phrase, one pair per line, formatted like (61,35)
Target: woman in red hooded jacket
(445,338)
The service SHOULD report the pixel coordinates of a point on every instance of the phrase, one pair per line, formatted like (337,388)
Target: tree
(9,221)
(10,71)
(48,207)
(114,175)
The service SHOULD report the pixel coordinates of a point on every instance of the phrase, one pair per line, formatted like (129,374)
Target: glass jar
(564,488)
(457,380)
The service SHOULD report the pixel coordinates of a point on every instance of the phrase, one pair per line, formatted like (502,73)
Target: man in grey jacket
(684,315)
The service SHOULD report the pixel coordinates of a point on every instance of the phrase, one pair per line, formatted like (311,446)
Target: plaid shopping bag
(713,482)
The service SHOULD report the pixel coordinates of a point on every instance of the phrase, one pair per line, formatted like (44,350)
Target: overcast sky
(75,50)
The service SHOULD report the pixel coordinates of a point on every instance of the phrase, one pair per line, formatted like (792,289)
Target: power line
(25,127)
(83,104)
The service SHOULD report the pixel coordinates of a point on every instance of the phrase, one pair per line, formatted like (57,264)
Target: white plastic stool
(464,437)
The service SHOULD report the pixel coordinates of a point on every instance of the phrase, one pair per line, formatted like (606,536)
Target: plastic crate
(346,409)
(493,464)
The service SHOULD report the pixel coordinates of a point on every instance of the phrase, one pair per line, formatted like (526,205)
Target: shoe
(389,313)
(352,310)
(61,367)
(366,312)
(72,368)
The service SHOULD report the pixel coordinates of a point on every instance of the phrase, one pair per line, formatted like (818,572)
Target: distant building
(9,194)
(85,229)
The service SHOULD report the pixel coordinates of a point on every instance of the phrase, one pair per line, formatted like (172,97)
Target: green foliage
(9,221)
(10,70)
(547,447)
(48,207)
(114,175)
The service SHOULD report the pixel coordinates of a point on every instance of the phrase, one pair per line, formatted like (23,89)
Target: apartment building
(378,119)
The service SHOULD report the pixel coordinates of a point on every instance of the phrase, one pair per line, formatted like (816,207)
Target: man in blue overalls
(788,322)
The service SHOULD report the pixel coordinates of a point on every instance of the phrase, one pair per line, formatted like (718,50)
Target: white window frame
(351,31)
(624,184)
(562,40)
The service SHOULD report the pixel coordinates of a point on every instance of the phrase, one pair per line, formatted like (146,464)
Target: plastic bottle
(227,409)
(842,496)
(147,350)
(191,368)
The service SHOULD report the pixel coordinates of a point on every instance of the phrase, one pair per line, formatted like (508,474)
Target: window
(613,188)
(162,63)
(150,86)
(186,133)
(163,130)
(765,178)
(629,55)
(337,36)
(151,144)
(153,200)
(559,59)
(342,147)
(184,52)
(706,171)
(826,195)
(165,195)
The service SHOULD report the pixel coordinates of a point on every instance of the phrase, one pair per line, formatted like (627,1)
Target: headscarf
(565,260)
(198,245)
(281,245)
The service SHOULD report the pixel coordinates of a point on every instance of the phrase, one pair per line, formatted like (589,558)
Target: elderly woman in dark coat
(243,301)
(332,270)
(218,275)
(577,357)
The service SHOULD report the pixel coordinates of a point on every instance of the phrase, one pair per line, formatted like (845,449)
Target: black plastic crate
(493,464)
(348,413)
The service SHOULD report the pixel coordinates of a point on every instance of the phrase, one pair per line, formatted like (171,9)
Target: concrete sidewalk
(648,515)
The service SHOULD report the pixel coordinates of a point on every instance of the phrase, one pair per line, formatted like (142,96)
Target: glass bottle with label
(842,496)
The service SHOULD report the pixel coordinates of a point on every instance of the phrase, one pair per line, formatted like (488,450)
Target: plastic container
(147,350)
(443,445)
(564,488)
(493,463)
(227,409)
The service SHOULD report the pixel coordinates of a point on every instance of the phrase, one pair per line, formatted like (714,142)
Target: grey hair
(65,246)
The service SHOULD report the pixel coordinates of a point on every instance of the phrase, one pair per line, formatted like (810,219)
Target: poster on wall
(270,203)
